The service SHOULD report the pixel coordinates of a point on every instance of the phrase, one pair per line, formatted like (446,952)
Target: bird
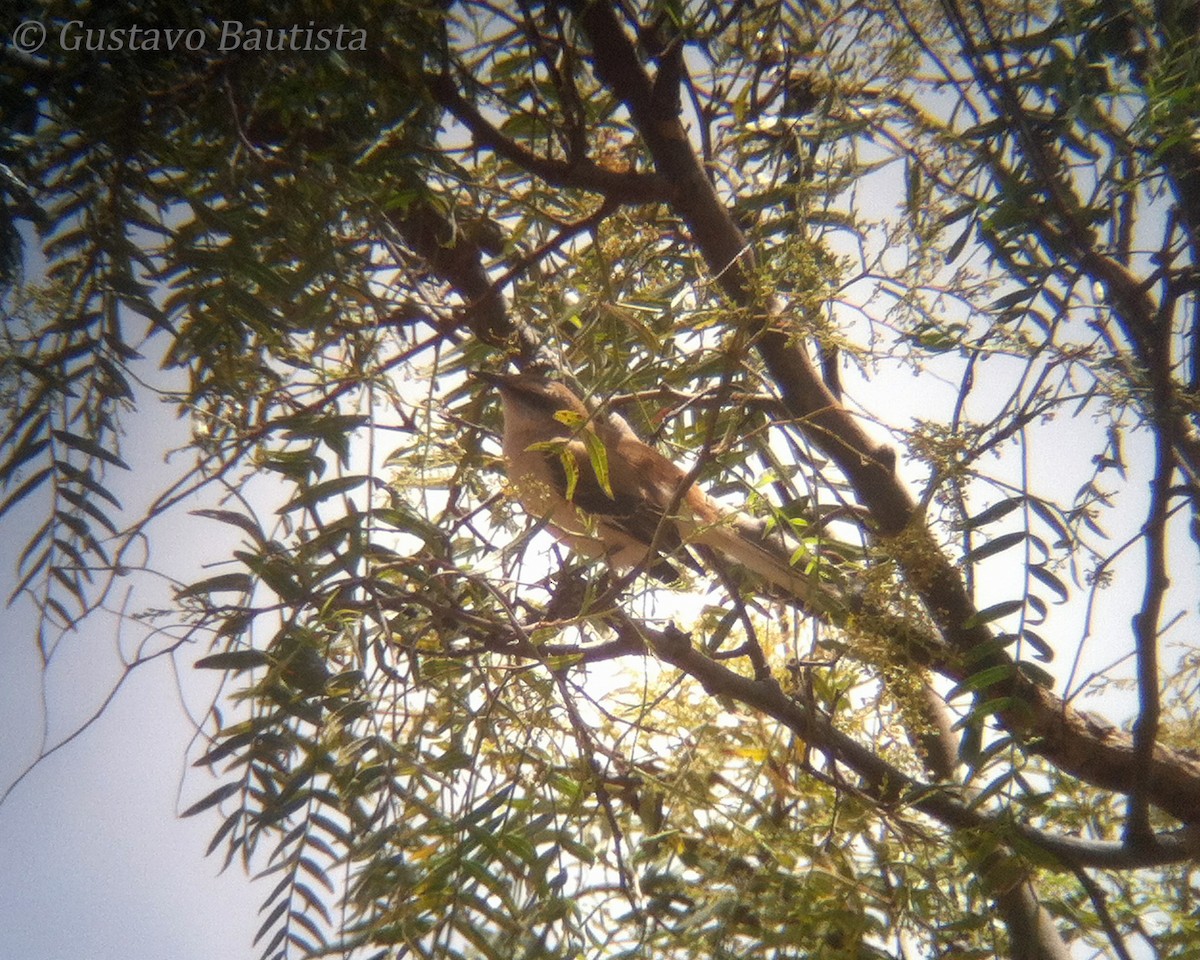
(608,495)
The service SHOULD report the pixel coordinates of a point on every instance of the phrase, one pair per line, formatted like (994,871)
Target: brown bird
(606,494)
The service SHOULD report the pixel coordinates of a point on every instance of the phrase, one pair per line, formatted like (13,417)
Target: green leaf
(85,479)
(233,518)
(1010,300)
(956,248)
(236,582)
(229,743)
(1042,650)
(953,216)
(24,490)
(311,496)
(276,572)
(30,447)
(993,547)
(1043,678)
(571,469)
(985,678)
(990,647)
(39,562)
(988,708)
(271,919)
(82,503)
(1043,575)
(231,821)
(599,458)
(90,447)
(234,660)
(994,612)
(1001,781)
(223,792)
(1037,608)
(310,866)
(1051,519)
(970,744)
(994,512)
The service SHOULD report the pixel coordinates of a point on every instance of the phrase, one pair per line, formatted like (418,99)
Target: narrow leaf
(993,547)
(24,490)
(85,479)
(83,503)
(231,821)
(1050,518)
(1051,581)
(235,582)
(233,518)
(1042,650)
(988,708)
(956,248)
(235,660)
(90,447)
(310,496)
(1042,678)
(994,512)
(988,677)
(223,792)
(599,458)
(994,612)
(23,454)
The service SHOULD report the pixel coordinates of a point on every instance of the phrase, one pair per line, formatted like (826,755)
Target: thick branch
(885,783)
(1053,729)
(581,173)
(458,260)
(1145,632)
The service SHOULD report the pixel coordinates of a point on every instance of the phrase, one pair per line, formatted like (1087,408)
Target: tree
(917,281)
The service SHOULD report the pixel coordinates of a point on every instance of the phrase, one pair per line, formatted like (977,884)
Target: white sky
(96,863)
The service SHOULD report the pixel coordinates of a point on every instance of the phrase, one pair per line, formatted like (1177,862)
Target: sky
(95,863)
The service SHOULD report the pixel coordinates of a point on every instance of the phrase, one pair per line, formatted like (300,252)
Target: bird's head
(533,395)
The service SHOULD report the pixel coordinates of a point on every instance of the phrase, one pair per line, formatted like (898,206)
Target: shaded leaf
(1043,575)
(993,547)
(223,792)
(233,518)
(90,447)
(24,490)
(234,582)
(985,678)
(310,496)
(1042,650)
(994,612)
(235,660)
(997,510)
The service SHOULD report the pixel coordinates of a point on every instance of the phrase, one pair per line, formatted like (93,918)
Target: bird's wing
(629,502)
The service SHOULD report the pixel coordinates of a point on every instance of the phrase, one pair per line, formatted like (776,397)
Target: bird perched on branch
(608,495)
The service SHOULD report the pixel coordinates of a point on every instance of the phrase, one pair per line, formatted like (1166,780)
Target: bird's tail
(747,543)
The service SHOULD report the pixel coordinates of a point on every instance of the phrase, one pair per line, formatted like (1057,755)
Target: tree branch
(1145,632)
(1050,726)
(579,173)
(883,782)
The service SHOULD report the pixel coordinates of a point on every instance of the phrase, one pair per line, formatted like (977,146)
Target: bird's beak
(494,379)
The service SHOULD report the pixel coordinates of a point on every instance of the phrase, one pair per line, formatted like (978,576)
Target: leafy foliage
(435,735)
